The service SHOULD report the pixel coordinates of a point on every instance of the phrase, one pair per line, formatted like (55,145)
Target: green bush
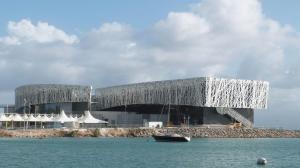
(71,133)
(96,133)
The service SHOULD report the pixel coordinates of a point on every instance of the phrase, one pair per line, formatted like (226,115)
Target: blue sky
(285,12)
(81,16)
(114,42)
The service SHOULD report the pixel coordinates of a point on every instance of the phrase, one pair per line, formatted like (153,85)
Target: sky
(103,43)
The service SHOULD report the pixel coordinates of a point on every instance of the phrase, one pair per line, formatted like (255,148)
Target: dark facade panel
(210,116)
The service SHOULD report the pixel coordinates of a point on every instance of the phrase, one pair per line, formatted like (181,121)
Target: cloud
(10,40)
(225,38)
(181,26)
(25,31)
(232,16)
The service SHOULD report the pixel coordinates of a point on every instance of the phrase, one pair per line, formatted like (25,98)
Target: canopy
(62,118)
(16,117)
(45,118)
(51,118)
(3,117)
(88,118)
(31,118)
(74,118)
(39,118)
(25,117)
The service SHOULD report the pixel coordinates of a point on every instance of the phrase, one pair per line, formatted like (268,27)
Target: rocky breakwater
(233,133)
(199,132)
(97,132)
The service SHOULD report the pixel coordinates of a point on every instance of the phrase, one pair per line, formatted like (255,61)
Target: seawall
(198,132)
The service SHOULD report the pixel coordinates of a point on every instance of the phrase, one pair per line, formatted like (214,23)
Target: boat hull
(163,138)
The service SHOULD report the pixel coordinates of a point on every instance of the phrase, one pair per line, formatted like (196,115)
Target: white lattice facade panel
(51,93)
(235,93)
(205,92)
(185,92)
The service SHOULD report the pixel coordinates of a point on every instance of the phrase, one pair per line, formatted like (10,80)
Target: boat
(171,138)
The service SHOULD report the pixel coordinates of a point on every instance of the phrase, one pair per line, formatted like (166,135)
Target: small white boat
(261,161)
(171,138)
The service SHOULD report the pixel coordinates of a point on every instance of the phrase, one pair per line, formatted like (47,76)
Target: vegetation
(73,133)
(96,133)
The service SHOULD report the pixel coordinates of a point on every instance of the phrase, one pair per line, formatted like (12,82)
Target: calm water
(146,153)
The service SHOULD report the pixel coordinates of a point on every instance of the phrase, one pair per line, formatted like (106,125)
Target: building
(196,101)
(203,100)
(51,98)
(7,108)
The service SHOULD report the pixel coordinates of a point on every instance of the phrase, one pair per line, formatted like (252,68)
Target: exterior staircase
(235,115)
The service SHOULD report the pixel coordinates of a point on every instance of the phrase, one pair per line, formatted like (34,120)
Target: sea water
(146,153)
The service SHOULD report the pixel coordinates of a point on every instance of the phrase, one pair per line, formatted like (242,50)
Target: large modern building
(197,101)
(51,98)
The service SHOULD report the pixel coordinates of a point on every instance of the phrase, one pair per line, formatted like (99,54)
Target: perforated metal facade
(51,93)
(203,92)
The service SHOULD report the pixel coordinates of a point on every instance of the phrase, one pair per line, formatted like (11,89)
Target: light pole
(24,112)
(90,99)
(24,106)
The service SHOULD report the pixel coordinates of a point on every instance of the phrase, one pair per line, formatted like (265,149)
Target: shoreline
(195,132)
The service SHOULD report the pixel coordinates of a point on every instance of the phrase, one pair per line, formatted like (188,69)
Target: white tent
(4,118)
(45,118)
(74,118)
(38,118)
(16,117)
(52,118)
(88,118)
(62,118)
(31,118)
(25,117)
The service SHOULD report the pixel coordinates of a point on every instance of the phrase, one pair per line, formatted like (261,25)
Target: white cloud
(10,40)
(181,26)
(24,30)
(227,38)
(113,27)
(232,16)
